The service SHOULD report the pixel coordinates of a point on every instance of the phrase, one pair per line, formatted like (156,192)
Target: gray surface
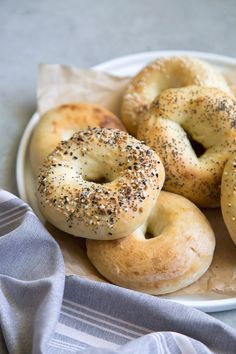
(87,32)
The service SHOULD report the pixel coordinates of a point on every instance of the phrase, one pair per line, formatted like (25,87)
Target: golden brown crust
(72,197)
(61,122)
(161,74)
(233,89)
(228,195)
(180,251)
(208,116)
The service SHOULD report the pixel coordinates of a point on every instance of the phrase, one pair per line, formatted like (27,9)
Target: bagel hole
(100,180)
(196,146)
(148,235)
(154,229)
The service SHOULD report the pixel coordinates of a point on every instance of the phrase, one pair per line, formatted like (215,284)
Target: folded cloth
(39,316)
(31,279)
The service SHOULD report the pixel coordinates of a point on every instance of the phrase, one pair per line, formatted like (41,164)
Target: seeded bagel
(177,119)
(162,74)
(228,195)
(99,184)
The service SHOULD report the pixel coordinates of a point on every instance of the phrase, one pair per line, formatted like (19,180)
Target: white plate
(124,66)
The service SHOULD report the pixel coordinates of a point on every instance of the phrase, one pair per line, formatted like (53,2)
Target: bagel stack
(185,111)
(114,202)
(161,74)
(105,185)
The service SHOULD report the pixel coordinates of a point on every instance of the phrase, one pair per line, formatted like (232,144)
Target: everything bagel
(62,122)
(228,195)
(160,75)
(99,184)
(206,115)
(178,253)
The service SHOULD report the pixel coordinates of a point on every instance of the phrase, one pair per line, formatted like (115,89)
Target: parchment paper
(59,84)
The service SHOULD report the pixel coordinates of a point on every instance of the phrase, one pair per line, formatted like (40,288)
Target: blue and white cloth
(44,312)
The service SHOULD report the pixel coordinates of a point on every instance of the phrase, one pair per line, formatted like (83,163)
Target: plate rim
(214,305)
(162,53)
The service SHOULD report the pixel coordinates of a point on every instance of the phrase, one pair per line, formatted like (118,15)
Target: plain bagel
(99,184)
(228,196)
(179,251)
(160,75)
(61,122)
(204,115)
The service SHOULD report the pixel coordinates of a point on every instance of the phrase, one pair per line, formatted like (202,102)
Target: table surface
(86,32)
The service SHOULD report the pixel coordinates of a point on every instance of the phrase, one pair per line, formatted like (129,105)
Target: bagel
(178,253)
(233,90)
(100,184)
(160,75)
(62,122)
(206,115)
(228,196)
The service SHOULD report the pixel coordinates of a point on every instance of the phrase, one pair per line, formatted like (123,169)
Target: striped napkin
(42,311)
